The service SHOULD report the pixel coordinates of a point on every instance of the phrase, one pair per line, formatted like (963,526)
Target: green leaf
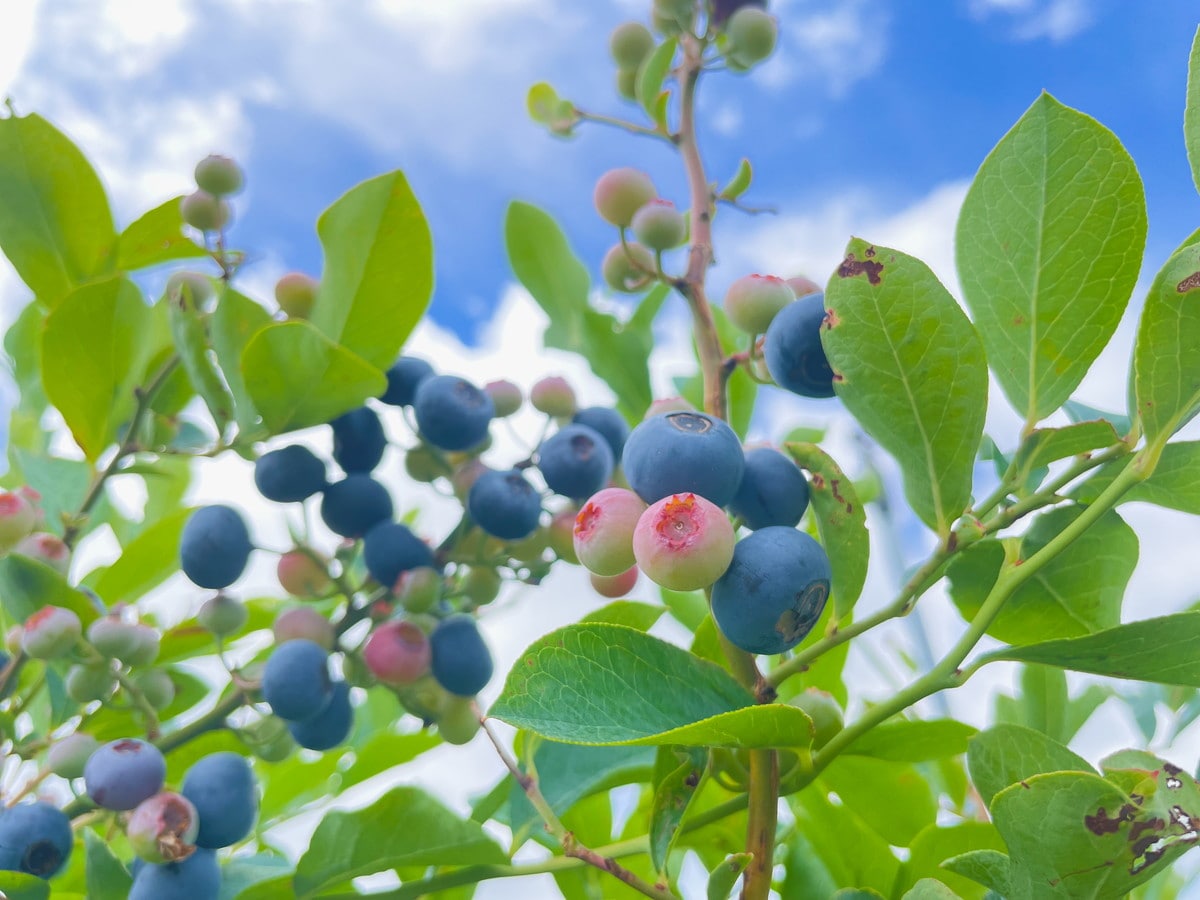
(937,843)
(1166,355)
(739,182)
(241,873)
(862,782)
(297,377)
(1077,592)
(835,847)
(1081,412)
(378,273)
(630,613)
(385,750)
(722,879)
(842,522)
(27,585)
(987,867)
(1046,445)
(1160,650)
(607,684)
(93,353)
(914,740)
(671,798)
(1174,484)
(145,563)
(189,330)
(1048,247)
(1008,754)
(930,889)
(234,322)
(63,483)
(19,886)
(155,238)
(651,75)
(55,224)
(910,367)
(1191,112)
(349,844)
(107,878)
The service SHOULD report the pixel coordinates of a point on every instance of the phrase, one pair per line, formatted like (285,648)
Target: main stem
(764,764)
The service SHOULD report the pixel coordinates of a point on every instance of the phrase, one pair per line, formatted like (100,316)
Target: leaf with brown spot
(1166,356)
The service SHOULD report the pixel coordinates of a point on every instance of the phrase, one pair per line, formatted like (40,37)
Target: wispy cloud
(1028,20)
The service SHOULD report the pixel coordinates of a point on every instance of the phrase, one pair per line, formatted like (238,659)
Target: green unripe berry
(659,225)
(424,698)
(628,270)
(458,722)
(199,288)
(222,615)
(622,192)
(218,175)
(204,212)
(296,293)
(481,585)
(506,397)
(630,43)
(750,36)
(553,396)
(423,464)
(531,548)
(91,682)
(627,80)
(825,713)
(268,739)
(562,536)
(753,301)
(67,757)
(670,17)
(157,686)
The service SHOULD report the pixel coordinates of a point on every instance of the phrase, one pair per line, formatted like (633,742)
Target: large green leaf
(913,740)
(27,585)
(156,237)
(404,827)
(1048,247)
(55,224)
(834,848)
(543,261)
(234,322)
(93,353)
(1008,754)
(607,684)
(1046,445)
(19,886)
(989,868)
(378,273)
(1166,356)
(107,879)
(297,377)
(1174,484)
(1191,113)
(1077,592)
(1160,650)
(861,781)
(149,560)
(937,843)
(842,521)
(930,889)
(910,367)
(673,794)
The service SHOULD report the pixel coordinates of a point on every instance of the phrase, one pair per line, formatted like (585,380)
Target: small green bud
(218,175)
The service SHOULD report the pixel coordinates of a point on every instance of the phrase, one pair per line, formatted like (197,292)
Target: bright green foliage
(1191,116)
(156,237)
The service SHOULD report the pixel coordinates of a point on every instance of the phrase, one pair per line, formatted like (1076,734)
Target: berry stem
(631,127)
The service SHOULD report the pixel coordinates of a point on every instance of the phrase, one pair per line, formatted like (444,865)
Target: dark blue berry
(196,878)
(609,423)
(295,680)
(576,461)
(352,506)
(222,788)
(289,474)
(214,547)
(462,663)
(35,838)
(793,352)
(504,505)
(773,490)
(358,440)
(773,592)
(682,453)
(402,379)
(452,413)
(331,727)
(121,774)
(390,549)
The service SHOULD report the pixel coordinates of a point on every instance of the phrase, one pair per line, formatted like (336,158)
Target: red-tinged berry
(667,405)
(553,396)
(622,192)
(163,828)
(17,519)
(614,586)
(48,549)
(683,542)
(303,623)
(50,633)
(603,532)
(659,225)
(753,301)
(506,397)
(296,294)
(397,653)
(561,535)
(802,286)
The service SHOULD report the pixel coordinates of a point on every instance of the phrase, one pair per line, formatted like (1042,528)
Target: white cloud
(1028,20)
(834,44)
(16,39)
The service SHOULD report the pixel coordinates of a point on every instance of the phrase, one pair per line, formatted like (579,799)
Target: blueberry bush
(159,723)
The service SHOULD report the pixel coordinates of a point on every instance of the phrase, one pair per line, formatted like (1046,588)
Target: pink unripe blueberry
(302,576)
(219,175)
(506,397)
(204,212)
(667,405)
(67,756)
(603,534)
(753,301)
(397,652)
(46,548)
(622,192)
(614,586)
(222,615)
(683,542)
(553,396)
(419,589)
(627,268)
(630,43)
(561,535)
(34,499)
(659,225)
(163,828)
(17,519)
(303,623)
(50,632)
(802,286)
(296,293)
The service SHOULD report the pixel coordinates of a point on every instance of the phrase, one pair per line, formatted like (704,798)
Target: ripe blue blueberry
(358,440)
(196,878)
(684,453)
(352,506)
(222,788)
(576,461)
(610,423)
(793,352)
(214,547)
(35,838)
(462,663)
(329,728)
(402,379)
(289,475)
(773,490)
(121,774)
(390,549)
(773,592)
(504,505)
(452,413)
(295,680)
